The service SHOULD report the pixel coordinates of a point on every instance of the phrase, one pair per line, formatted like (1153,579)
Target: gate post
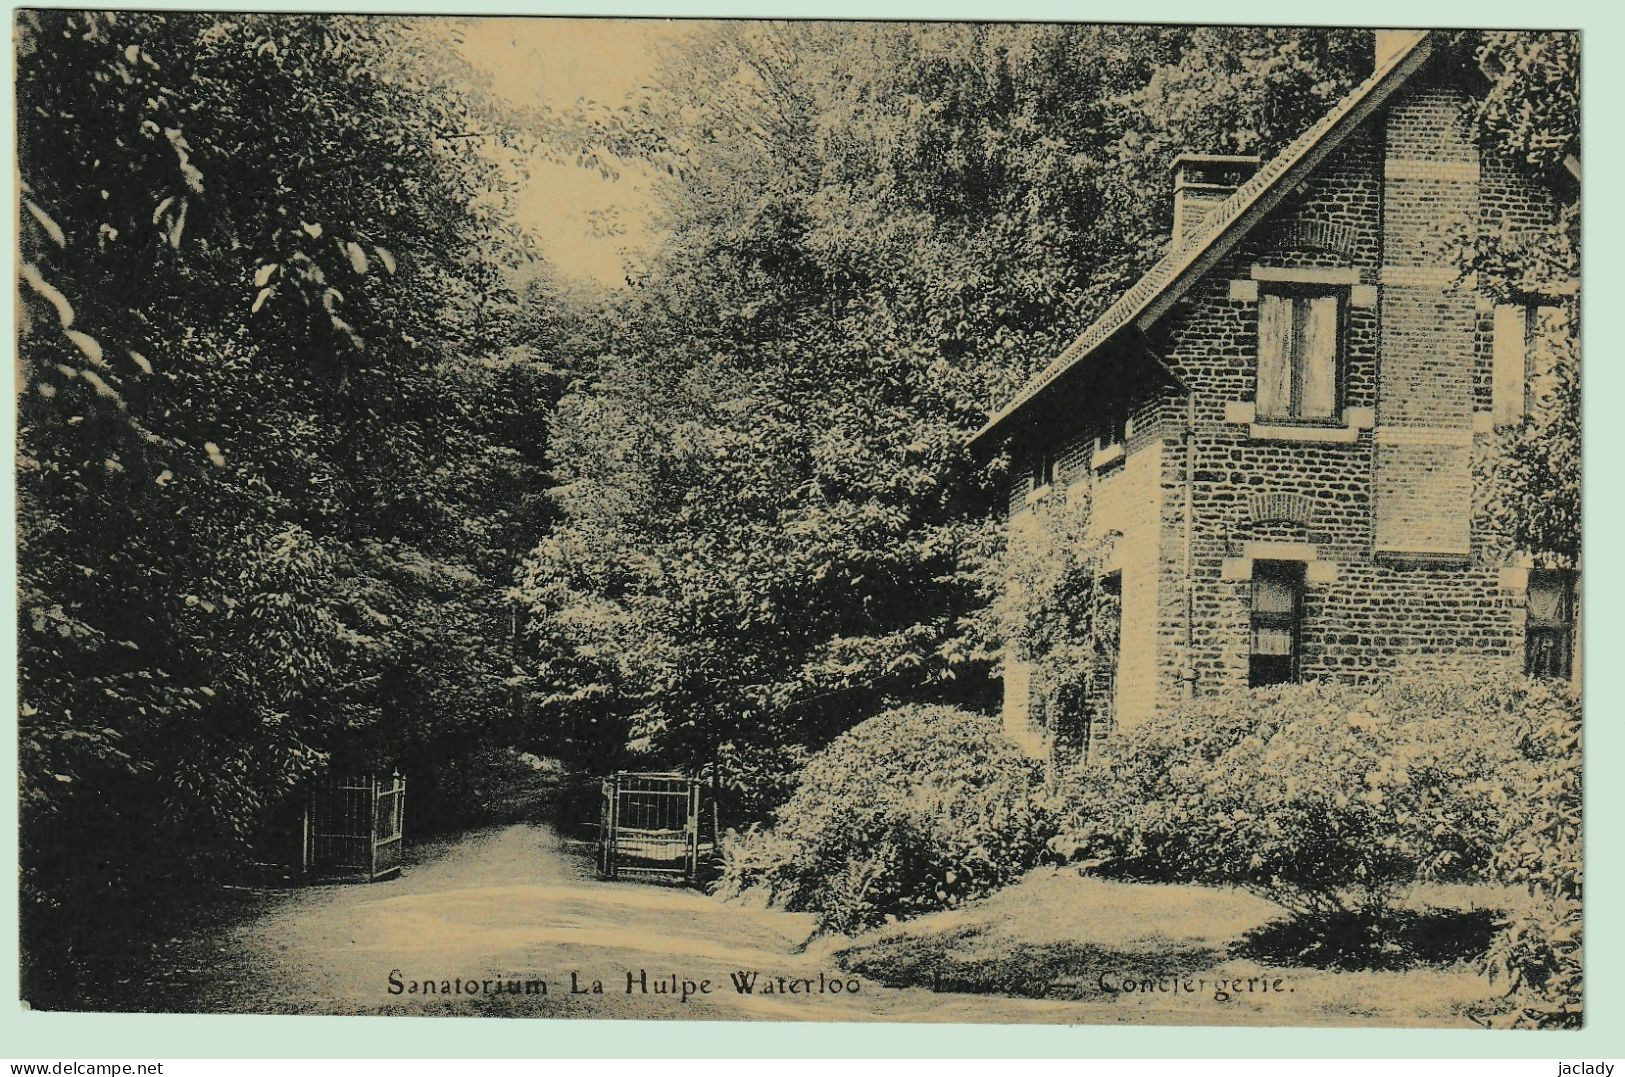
(692,825)
(304,835)
(603,828)
(613,788)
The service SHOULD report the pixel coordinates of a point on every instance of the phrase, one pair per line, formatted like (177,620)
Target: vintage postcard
(805,521)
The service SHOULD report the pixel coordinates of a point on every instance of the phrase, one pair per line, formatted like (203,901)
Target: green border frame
(27,1034)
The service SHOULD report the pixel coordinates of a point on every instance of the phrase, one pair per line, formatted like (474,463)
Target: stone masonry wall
(1411,356)
(1126,510)
(1378,506)
(1423,469)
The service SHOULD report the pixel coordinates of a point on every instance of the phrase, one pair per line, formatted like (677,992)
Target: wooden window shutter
(1544,333)
(1274,397)
(1510,351)
(1549,640)
(1318,399)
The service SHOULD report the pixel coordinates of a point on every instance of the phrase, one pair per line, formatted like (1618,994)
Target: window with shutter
(1510,358)
(1549,629)
(1299,354)
(1544,327)
(1277,621)
(1520,349)
(1041,468)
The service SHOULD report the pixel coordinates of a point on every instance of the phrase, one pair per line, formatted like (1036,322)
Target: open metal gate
(353,826)
(653,826)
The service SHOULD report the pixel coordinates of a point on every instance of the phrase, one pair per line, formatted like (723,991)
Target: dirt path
(511,905)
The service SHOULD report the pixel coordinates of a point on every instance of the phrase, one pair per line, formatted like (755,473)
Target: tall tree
(275,396)
(1529,494)
(874,231)
(1529,486)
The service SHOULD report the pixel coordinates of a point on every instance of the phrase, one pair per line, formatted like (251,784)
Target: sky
(556,61)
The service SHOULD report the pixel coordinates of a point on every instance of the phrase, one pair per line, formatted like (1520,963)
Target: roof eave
(1405,63)
(1267,199)
(1017,404)
(1130,336)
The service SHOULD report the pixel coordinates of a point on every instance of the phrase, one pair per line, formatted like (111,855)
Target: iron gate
(652,826)
(353,826)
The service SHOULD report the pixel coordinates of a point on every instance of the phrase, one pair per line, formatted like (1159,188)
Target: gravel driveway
(486,918)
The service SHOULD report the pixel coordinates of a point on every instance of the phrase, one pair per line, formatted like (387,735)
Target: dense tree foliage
(874,231)
(278,426)
(1529,489)
(319,470)
(1529,492)
(1053,610)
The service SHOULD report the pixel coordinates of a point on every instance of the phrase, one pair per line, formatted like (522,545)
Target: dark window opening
(1549,630)
(1041,470)
(1277,622)
(1115,431)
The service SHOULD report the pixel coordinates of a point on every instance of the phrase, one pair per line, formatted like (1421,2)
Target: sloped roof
(1163,284)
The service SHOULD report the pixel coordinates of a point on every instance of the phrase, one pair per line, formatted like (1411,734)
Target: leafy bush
(916,809)
(1325,797)
(1054,611)
(1537,954)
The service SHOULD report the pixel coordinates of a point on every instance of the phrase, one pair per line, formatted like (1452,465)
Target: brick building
(1275,425)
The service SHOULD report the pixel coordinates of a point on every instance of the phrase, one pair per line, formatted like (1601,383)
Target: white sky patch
(586,225)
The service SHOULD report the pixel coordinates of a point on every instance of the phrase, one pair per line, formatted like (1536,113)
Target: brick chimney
(1201,182)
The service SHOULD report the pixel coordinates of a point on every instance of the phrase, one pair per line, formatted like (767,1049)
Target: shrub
(1053,611)
(914,810)
(1325,797)
(1537,954)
